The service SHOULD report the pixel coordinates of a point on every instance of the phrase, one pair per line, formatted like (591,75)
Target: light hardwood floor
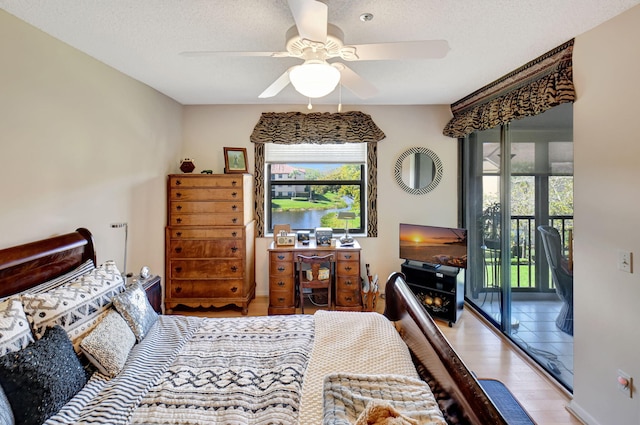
(483,351)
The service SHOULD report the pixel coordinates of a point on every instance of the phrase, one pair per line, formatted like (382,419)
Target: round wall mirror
(418,171)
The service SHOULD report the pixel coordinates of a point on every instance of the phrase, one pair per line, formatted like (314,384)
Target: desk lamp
(346,216)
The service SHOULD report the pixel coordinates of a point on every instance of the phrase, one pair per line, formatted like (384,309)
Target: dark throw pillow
(39,379)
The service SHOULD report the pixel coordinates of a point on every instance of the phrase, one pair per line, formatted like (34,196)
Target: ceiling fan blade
(311,19)
(193,54)
(426,49)
(355,83)
(277,86)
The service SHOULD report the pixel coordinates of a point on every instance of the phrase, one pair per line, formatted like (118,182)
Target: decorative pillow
(15,333)
(107,346)
(77,306)
(39,379)
(134,306)
(66,278)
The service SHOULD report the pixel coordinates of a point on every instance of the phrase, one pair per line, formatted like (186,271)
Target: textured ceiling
(144,38)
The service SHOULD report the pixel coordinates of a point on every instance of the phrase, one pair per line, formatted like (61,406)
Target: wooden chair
(315,263)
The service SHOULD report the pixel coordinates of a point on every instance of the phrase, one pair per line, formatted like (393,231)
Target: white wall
(81,145)
(606,65)
(207,129)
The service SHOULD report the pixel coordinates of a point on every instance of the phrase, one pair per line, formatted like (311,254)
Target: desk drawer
(281,268)
(348,299)
(282,283)
(348,283)
(348,268)
(280,299)
(348,256)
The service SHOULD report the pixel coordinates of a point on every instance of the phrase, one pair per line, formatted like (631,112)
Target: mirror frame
(434,181)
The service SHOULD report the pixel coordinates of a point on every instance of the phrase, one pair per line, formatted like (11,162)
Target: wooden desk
(282,275)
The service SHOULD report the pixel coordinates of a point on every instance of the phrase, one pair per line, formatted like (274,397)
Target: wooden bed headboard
(24,266)
(432,350)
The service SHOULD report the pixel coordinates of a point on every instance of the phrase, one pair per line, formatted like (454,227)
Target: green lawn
(320,202)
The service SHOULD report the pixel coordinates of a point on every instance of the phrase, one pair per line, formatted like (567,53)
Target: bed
(330,367)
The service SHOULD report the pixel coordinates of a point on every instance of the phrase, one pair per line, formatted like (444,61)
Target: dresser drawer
(203,232)
(206,288)
(198,269)
(187,194)
(199,207)
(230,219)
(204,181)
(193,248)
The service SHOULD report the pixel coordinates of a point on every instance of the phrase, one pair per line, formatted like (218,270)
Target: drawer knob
(178,269)
(178,289)
(348,256)
(234,207)
(234,289)
(178,234)
(234,269)
(281,269)
(234,234)
(178,182)
(178,195)
(178,220)
(178,249)
(234,249)
(280,283)
(234,183)
(280,257)
(234,194)
(179,207)
(234,220)
(280,299)
(348,298)
(348,268)
(348,282)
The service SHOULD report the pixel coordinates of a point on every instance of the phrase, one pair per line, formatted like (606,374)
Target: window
(306,185)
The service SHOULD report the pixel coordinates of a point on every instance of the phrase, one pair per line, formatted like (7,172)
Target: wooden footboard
(436,359)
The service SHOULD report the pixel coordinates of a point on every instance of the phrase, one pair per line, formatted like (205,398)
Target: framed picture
(235,160)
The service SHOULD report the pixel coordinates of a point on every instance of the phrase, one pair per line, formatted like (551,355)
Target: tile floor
(537,334)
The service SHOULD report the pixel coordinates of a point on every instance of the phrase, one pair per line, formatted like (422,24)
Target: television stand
(439,289)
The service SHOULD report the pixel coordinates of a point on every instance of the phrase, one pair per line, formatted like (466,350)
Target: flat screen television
(433,246)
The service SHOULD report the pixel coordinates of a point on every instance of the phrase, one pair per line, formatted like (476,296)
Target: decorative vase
(187,165)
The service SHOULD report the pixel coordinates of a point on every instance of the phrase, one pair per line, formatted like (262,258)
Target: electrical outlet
(625,261)
(625,383)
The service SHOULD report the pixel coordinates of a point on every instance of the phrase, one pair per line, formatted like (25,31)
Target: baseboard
(580,414)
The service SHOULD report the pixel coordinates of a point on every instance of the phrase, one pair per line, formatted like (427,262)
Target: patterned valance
(539,85)
(319,128)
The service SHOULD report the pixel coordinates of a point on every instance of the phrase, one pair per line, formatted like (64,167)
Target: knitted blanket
(369,399)
(355,343)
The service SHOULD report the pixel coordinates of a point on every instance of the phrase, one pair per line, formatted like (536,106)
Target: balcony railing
(523,251)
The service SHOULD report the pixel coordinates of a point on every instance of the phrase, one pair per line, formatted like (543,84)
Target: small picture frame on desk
(235,160)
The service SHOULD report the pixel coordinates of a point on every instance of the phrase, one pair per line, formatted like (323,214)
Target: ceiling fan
(315,41)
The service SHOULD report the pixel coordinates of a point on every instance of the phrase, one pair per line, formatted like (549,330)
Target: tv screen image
(433,245)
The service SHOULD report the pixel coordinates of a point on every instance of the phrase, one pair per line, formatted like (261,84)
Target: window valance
(539,85)
(319,128)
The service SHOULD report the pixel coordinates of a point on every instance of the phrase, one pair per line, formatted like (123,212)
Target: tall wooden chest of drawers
(210,241)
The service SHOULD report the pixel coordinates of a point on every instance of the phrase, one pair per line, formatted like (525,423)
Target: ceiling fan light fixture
(314,78)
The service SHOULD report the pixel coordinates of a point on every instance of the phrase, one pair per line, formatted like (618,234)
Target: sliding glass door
(518,177)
